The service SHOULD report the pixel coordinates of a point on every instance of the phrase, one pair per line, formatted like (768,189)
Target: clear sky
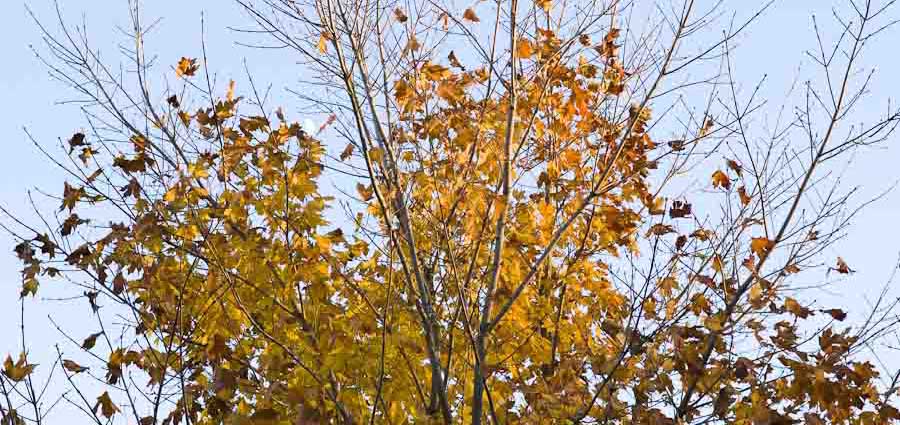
(30,99)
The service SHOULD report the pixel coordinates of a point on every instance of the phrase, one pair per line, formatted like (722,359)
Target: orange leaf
(470,15)
(745,198)
(761,246)
(720,179)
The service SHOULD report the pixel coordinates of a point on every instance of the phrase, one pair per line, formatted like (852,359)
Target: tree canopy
(512,239)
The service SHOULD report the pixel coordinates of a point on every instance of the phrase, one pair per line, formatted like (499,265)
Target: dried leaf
(90,341)
(680,209)
(18,371)
(720,179)
(470,15)
(105,405)
(842,267)
(73,367)
(186,67)
(400,16)
(761,246)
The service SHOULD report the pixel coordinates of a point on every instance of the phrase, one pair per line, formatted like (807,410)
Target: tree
(513,251)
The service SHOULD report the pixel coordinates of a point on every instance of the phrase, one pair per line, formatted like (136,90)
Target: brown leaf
(70,223)
(680,209)
(793,307)
(660,229)
(470,15)
(118,284)
(73,367)
(400,16)
(585,40)
(720,179)
(836,313)
(90,341)
(842,267)
(761,246)
(347,152)
(680,242)
(735,167)
(791,269)
(364,192)
(454,61)
(745,198)
(76,140)
(105,405)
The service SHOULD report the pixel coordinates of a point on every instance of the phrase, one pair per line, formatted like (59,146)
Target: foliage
(508,255)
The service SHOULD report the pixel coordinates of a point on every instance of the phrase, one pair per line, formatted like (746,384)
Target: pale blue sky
(29,99)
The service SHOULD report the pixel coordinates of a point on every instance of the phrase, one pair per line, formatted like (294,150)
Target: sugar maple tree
(510,253)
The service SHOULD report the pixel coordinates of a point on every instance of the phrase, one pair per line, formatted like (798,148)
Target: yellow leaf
(412,44)
(717,263)
(18,371)
(230,94)
(713,323)
(105,405)
(171,195)
(792,306)
(187,67)
(376,155)
(524,49)
(323,43)
(756,292)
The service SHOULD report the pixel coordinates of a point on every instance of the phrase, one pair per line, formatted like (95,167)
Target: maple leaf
(676,145)
(680,209)
(19,370)
(745,198)
(347,152)
(105,405)
(735,167)
(454,61)
(720,179)
(792,306)
(70,223)
(470,15)
(680,242)
(761,246)
(400,16)
(90,341)
(836,313)
(842,267)
(186,67)
(660,229)
(76,140)
(73,367)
